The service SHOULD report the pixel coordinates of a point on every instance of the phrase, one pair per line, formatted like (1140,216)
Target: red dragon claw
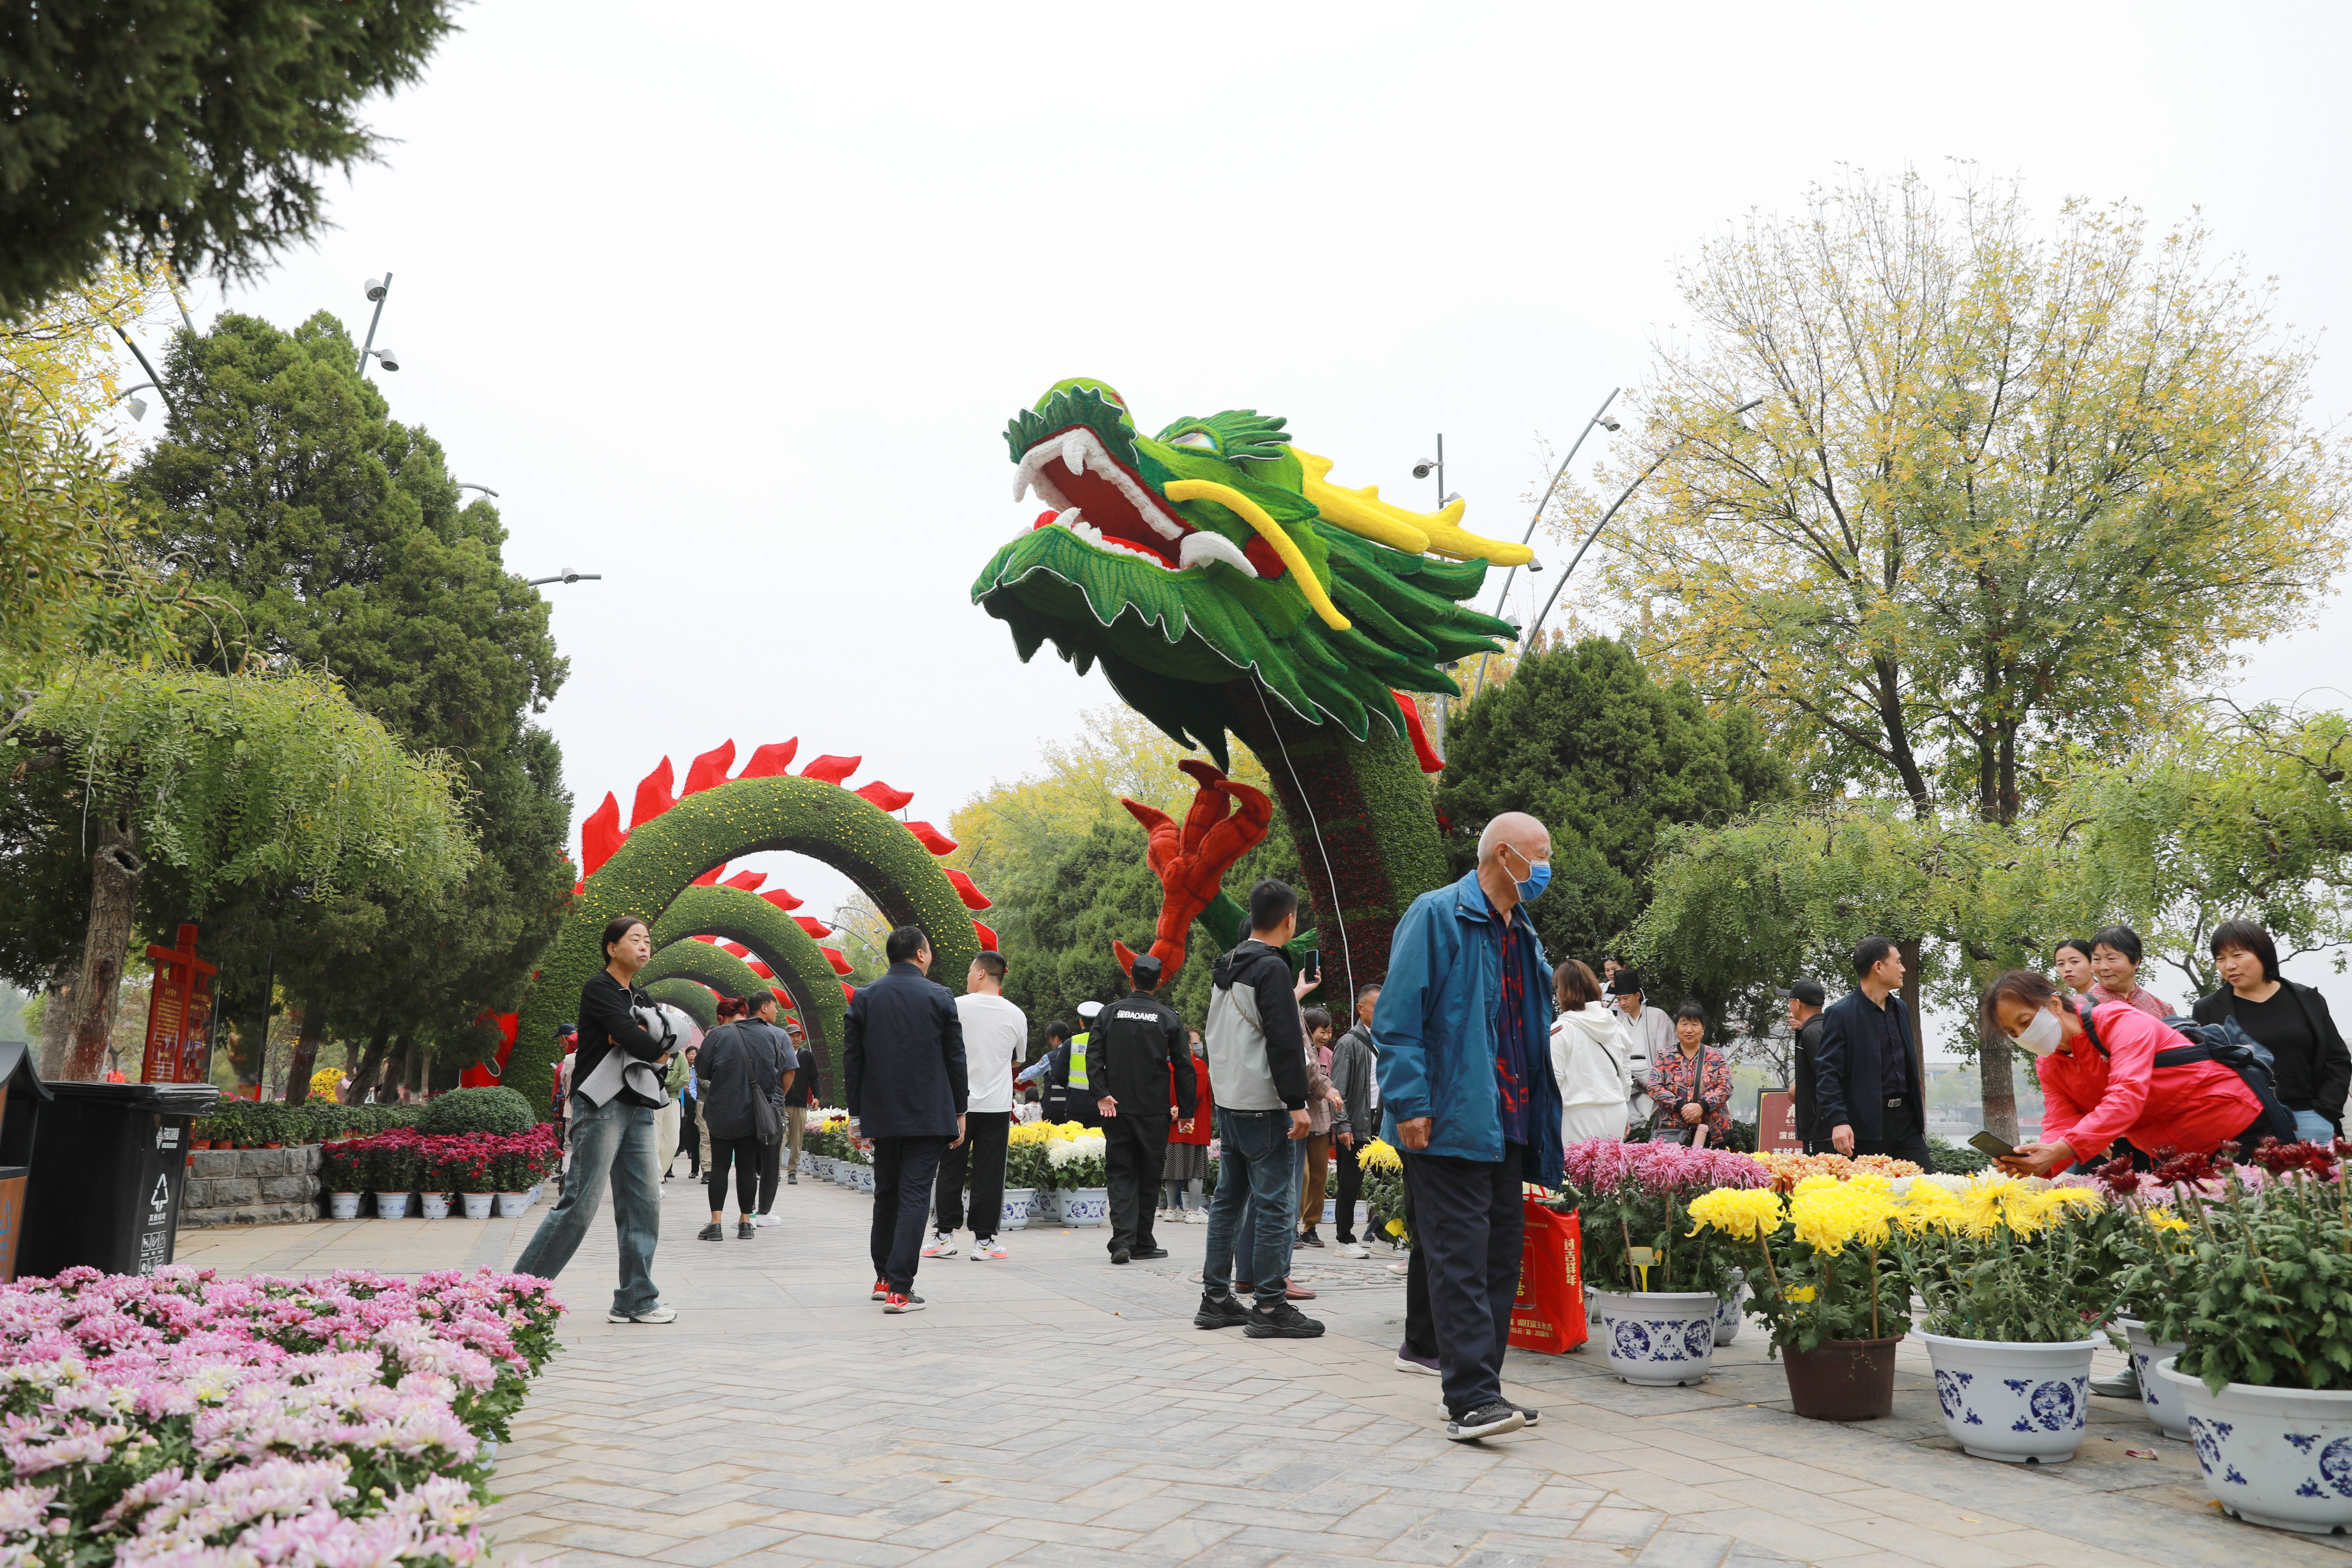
(1226,822)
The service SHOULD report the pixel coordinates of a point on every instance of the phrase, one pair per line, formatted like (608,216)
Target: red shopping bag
(1548,1313)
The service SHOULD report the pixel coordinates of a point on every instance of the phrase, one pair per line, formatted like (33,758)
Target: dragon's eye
(1199,438)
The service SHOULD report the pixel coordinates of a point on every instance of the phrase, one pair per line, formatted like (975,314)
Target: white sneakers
(765,1219)
(984,1250)
(656,1314)
(1355,1249)
(943,1245)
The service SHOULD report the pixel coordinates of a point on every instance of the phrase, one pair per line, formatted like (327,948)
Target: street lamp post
(377,288)
(566,575)
(1422,470)
(1601,418)
(1653,467)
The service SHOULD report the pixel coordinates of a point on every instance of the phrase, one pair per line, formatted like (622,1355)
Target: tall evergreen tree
(336,537)
(1604,757)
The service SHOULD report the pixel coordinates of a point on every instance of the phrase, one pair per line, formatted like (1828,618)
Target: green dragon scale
(1224,586)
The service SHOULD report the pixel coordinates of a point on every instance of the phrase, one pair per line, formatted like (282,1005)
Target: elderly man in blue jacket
(1464,1025)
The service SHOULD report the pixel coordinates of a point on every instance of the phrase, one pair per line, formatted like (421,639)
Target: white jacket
(1589,1056)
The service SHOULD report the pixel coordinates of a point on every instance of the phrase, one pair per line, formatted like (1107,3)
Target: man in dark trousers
(1463,1018)
(903,1075)
(1805,998)
(1870,1086)
(1129,1055)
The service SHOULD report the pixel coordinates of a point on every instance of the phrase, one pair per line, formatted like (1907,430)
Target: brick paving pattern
(1053,1409)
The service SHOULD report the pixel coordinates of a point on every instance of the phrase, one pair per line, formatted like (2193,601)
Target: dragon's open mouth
(1107,504)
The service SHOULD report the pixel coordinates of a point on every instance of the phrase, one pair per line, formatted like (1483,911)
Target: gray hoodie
(1257,1038)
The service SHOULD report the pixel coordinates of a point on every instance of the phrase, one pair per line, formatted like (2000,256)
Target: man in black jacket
(1129,1053)
(1869,1083)
(903,1076)
(1805,1000)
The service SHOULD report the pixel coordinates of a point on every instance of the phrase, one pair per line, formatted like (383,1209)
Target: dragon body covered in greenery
(1225,585)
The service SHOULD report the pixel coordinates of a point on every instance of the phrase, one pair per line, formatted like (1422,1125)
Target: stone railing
(251,1186)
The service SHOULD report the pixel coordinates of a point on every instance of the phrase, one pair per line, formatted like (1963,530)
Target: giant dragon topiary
(1223,584)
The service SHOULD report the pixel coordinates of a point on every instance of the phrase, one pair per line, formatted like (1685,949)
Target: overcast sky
(731,302)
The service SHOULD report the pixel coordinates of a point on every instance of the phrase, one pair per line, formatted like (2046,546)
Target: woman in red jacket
(2091,1096)
(1187,1169)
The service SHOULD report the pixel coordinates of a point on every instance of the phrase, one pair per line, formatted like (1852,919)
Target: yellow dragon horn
(1362,512)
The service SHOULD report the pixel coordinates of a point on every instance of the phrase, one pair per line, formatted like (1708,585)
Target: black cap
(564,1028)
(1808,992)
(1146,970)
(1627,984)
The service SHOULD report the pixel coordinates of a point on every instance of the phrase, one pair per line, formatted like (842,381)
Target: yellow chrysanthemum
(1800,1294)
(1831,1218)
(1395,1227)
(1926,1208)
(2164,1219)
(1378,1155)
(1744,1213)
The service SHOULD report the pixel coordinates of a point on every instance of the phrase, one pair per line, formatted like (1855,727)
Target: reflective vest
(1077,1073)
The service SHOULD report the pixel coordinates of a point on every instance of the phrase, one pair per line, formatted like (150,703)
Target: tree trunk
(305,1051)
(1999,1087)
(395,1072)
(56,1021)
(115,870)
(371,1059)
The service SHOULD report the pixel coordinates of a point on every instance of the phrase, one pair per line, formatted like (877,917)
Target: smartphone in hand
(1992,1144)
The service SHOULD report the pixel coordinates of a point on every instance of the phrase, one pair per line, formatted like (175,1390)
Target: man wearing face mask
(2110,1071)
(1464,1018)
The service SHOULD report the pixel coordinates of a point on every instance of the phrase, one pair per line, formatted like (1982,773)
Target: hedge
(774,938)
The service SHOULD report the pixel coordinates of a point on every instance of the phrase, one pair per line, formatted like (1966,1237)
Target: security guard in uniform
(1129,1058)
(1073,1071)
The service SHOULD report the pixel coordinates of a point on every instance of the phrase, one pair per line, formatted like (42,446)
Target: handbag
(621,1073)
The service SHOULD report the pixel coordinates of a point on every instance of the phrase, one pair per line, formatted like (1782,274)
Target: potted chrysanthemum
(1657,1282)
(2255,1292)
(1026,1173)
(1081,1183)
(1831,1283)
(2015,1278)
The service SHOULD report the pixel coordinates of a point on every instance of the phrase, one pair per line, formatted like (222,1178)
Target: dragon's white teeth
(1074,453)
(1020,484)
(1202,548)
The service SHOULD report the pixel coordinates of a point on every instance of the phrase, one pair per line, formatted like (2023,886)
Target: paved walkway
(1053,1409)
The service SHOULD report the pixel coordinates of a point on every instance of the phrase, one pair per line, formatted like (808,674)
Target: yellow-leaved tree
(2009,488)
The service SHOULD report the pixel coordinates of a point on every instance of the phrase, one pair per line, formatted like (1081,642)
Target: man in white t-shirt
(995,1032)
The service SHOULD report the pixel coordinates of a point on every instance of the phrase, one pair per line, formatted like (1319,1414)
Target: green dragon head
(1182,561)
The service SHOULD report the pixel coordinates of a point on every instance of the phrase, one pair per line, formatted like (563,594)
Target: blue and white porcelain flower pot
(2161,1400)
(1659,1339)
(1082,1207)
(2014,1402)
(865,1179)
(1727,1314)
(1017,1203)
(2279,1457)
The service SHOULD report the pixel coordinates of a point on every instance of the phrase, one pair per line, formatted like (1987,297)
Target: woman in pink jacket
(2101,1083)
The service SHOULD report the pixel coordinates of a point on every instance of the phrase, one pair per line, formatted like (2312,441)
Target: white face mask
(2044,1035)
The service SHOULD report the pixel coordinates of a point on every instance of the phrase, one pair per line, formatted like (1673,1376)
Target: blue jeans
(1258,1171)
(2313,1128)
(613,1143)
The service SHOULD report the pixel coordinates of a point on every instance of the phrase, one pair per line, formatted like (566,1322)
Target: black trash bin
(108,1169)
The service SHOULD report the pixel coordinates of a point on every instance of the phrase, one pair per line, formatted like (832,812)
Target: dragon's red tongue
(1043,518)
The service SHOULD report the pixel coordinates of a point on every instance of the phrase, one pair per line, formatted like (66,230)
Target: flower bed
(185,1419)
(402,1161)
(1788,1168)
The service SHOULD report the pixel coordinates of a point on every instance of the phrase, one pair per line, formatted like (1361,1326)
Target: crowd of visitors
(1474,1057)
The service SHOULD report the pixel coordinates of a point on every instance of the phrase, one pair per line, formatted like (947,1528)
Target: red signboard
(179,1015)
(1776,1121)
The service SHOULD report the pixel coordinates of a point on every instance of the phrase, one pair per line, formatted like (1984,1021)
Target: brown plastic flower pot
(1843,1379)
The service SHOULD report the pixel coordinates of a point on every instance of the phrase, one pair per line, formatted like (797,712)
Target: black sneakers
(743,1231)
(1220,1313)
(1121,1256)
(1283,1321)
(1487,1421)
(713,1231)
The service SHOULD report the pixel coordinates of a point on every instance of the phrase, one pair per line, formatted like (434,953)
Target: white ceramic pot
(1728,1314)
(479,1204)
(1017,1201)
(343,1205)
(1658,1339)
(2014,1402)
(435,1205)
(2163,1402)
(808,1164)
(392,1205)
(1083,1207)
(535,1187)
(2279,1457)
(513,1205)
(865,1179)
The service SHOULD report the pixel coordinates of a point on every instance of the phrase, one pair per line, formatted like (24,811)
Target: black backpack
(2227,1044)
